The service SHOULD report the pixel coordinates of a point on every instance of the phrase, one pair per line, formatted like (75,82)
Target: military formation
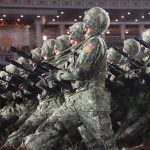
(74,93)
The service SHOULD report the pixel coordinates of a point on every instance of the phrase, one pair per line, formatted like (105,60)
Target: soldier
(30,101)
(72,138)
(76,34)
(146,38)
(11,109)
(132,48)
(116,87)
(90,104)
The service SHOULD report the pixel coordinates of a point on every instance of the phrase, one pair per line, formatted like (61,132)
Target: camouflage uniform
(90,104)
(132,48)
(118,109)
(77,35)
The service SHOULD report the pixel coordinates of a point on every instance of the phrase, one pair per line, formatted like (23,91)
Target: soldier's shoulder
(94,39)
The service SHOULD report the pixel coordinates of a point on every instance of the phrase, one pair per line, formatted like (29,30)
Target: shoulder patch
(88,48)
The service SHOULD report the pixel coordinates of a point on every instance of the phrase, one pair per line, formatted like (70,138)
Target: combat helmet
(97,19)
(62,42)
(47,48)
(131,47)
(36,54)
(77,31)
(113,55)
(11,69)
(25,63)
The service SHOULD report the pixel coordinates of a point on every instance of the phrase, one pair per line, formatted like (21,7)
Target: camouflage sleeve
(88,56)
(91,51)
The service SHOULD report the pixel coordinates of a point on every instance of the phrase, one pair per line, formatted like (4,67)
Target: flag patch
(88,48)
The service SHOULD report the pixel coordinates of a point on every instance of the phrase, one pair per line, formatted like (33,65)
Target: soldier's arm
(87,57)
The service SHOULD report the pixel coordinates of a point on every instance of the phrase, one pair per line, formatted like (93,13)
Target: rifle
(33,89)
(17,80)
(42,64)
(8,87)
(32,76)
(142,42)
(134,64)
(114,69)
(41,67)
(39,64)
(21,53)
